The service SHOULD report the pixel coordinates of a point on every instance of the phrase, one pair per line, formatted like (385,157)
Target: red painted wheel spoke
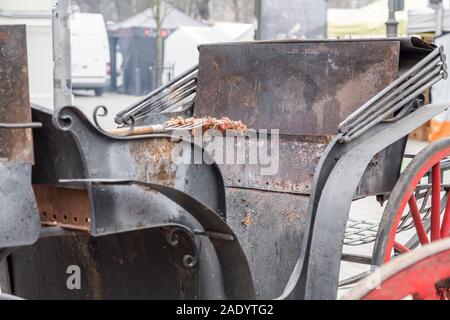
(436,202)
(445,229)
(415,213)
(401,248)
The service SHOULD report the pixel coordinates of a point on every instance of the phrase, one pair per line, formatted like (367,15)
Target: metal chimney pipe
(62,73)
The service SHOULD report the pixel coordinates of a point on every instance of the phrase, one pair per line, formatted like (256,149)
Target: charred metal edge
(21,222)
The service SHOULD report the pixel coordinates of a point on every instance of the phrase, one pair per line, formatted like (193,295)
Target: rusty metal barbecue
(122,207)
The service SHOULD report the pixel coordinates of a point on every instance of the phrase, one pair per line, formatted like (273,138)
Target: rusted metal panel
(270,228)
(295,170)
(19,218)
(383,171)
(299,87)
(147,266)
(15,144)
(81,151)
(5,281)
(304,89)
(63,207)
(153,160)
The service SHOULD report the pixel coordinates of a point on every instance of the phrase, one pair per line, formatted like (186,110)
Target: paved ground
(366,209)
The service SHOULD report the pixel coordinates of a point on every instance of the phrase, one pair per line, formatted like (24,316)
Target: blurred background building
(131,47)
(37,16)
(295,19)
(135,41)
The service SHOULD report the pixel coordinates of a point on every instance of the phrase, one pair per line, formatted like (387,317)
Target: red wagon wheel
(418,210)
(419,275)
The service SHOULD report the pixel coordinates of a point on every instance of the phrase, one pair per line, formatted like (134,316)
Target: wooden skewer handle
(137,131)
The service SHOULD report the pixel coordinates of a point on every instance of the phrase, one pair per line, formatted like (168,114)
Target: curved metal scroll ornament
(63,121)
(173,237)
(96,113)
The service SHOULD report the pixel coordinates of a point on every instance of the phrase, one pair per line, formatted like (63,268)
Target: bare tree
(203,9)
(348,3)
(232,10)
(217,10)
(221,10)
(159,15)
(198,9)
(236,10)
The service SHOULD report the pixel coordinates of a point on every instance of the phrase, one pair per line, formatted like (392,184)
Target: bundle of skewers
(175,94)
(189,124)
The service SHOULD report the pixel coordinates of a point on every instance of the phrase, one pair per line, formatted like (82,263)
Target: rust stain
(247,221)
(291,216)
(161,150)
(302,88)
(153,159)
(4,35)
(65,207)
(95,279)
(15,144)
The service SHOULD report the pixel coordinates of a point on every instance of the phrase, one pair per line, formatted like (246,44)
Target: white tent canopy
(173,19)
(424,20)
(180,48)
(370,19)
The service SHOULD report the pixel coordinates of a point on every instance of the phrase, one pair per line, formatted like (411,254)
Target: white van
(90,52)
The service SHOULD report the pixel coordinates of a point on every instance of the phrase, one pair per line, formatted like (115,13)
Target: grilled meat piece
(208,123)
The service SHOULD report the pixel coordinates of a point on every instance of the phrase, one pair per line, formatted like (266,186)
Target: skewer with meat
(206,123)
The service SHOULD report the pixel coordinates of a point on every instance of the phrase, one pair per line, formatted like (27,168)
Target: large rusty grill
(304,89)
(217,231)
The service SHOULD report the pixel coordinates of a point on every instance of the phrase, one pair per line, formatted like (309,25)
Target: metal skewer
(162,97)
